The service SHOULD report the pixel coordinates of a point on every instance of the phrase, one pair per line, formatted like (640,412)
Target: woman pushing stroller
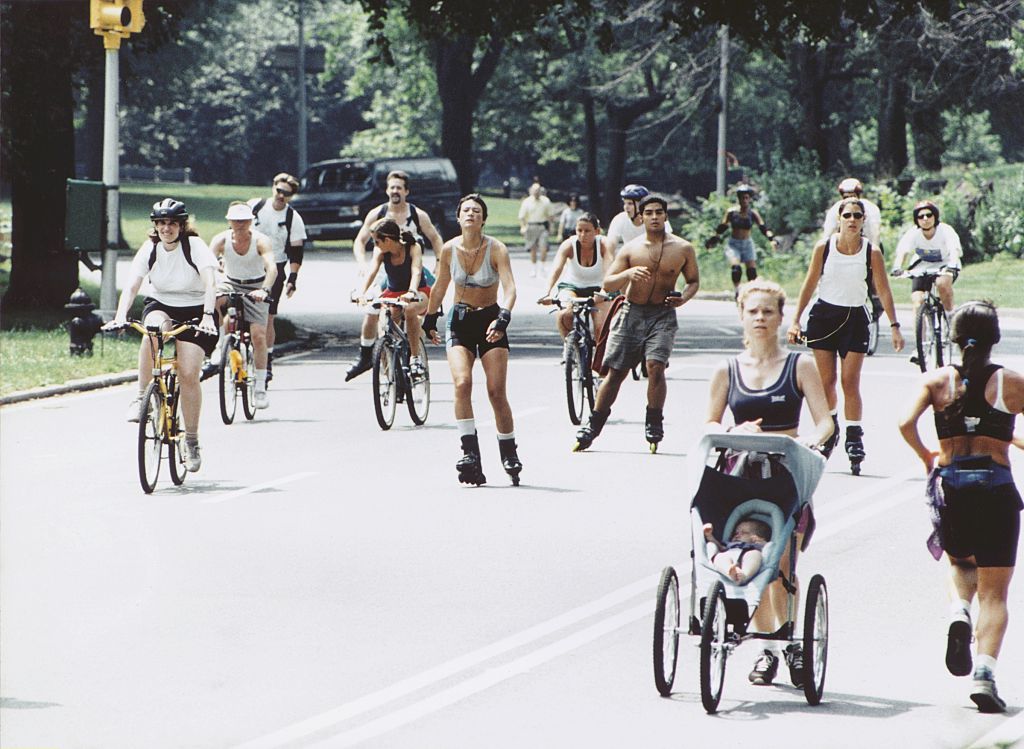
(764,388)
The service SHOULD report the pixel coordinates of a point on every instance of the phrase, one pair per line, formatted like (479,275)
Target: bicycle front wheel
(574,380)
(247,384)
(151,437)
(586,350)
(418,399)
(175,437)
(385,385)
(924,332)
(943,339)
(228,391)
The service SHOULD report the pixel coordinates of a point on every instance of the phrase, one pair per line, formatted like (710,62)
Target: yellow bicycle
(160,421)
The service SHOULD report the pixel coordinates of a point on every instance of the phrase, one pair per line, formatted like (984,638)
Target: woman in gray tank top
(476,265)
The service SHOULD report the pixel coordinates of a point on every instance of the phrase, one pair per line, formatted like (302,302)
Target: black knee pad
(737,274)
(751,273)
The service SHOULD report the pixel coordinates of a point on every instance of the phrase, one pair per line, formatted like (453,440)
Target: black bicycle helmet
(926,205)
(169,208)
(634,192)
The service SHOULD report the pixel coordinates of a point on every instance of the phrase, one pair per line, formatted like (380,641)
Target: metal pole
(723,98)
(112,182)
(302,94)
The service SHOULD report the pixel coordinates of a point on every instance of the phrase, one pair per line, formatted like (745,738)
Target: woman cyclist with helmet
(181,271)
(935,246)
(974,502)
(739,248)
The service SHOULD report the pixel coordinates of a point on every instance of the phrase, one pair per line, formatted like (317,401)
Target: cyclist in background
(181,271)
(739,248)
(401,256)
(629,224)
(283,224)
(936,246)
(249,269)
(408,218)
(580,264)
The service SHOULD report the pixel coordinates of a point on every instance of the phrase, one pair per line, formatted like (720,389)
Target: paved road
(323,583)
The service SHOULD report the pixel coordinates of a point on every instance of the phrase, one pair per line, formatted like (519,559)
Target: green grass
(36,358)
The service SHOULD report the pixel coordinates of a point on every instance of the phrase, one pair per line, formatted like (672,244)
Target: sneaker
(984,694)
(416,370)
(765,668)
(133,409)
(192,457)
(209,369)
(262,400)
(958,648)
(794,655)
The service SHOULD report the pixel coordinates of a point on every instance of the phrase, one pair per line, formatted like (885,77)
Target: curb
(110,380)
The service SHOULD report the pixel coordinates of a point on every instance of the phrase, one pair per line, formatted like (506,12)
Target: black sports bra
(778,405)
(971,414)
(736,221)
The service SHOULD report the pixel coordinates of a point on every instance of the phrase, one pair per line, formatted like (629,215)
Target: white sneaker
(533,271)
(193,460)
(134,408)
(262,399)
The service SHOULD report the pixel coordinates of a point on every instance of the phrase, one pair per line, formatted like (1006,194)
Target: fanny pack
(972,472)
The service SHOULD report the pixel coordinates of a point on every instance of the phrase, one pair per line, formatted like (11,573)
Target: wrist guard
(292,277)
(502,320)
(430,322)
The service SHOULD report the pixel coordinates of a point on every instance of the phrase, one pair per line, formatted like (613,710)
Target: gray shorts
(536,236)
(255,312)
(641,331)
(740,251)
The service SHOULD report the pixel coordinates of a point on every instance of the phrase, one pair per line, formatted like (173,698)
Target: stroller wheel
(712,648)
(666,632)
(815,640)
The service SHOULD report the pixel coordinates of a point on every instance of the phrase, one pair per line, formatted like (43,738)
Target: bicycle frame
(394,330)
(931,314)
(164,372)
(235,324)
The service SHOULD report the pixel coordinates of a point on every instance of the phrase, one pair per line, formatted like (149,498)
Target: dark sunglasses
(926,214)
(853,215)
(283,193)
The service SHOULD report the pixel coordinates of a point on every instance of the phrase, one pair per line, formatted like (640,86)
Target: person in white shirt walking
(534,215)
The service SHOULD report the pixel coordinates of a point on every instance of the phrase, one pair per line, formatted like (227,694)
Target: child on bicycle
(741,558)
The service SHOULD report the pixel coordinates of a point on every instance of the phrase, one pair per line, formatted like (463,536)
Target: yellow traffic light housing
(115,20)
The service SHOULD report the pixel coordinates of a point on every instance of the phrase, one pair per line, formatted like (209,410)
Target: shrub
(795,194)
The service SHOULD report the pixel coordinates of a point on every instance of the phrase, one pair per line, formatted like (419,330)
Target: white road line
(258,487)
(445,670)
(1008,733)
(447,697)
(489,678)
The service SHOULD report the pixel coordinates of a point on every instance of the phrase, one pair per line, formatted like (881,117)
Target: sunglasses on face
(926,214)
(283,193)
(857,216)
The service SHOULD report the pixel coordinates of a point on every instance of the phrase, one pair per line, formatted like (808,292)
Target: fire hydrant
(84,324)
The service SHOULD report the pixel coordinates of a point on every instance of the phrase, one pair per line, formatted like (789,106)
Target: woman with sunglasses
(843,269)
(935,246)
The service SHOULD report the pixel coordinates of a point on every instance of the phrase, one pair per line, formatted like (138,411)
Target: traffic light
(115,20)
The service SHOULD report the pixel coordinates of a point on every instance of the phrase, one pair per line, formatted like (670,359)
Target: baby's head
(752,531)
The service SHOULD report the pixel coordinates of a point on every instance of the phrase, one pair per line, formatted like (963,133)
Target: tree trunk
(460,87)
(805,68)
(891,156)
(621,117)
(926,127)
(590,148)
(39,135)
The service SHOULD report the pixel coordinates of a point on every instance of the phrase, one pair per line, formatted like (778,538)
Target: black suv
(337,194)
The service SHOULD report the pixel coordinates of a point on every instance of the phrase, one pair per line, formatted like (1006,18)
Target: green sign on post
(85,226)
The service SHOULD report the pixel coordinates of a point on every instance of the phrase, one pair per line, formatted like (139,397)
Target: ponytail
(975,329)
(408,238)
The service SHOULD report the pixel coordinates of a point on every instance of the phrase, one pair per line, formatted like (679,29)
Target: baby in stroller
(741,558)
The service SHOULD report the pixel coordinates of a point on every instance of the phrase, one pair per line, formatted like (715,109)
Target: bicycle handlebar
(150,330)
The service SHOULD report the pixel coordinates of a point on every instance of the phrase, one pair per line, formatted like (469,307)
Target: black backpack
(288,213)
(184,248)
(414,215)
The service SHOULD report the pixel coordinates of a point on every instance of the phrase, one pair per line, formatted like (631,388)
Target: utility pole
(113,20)
(301,64)
(723,103)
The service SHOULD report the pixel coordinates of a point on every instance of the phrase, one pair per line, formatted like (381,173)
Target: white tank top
(844,278)
(583,276)
(243,267)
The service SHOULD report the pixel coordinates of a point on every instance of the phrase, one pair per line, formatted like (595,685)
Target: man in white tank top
(249,268)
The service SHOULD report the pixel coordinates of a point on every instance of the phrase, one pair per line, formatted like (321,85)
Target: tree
(38,149)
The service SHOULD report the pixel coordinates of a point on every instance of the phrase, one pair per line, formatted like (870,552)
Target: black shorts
(205,341)
(467,327)
(834,328)
(983,523)
(923,283)
(278,288)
